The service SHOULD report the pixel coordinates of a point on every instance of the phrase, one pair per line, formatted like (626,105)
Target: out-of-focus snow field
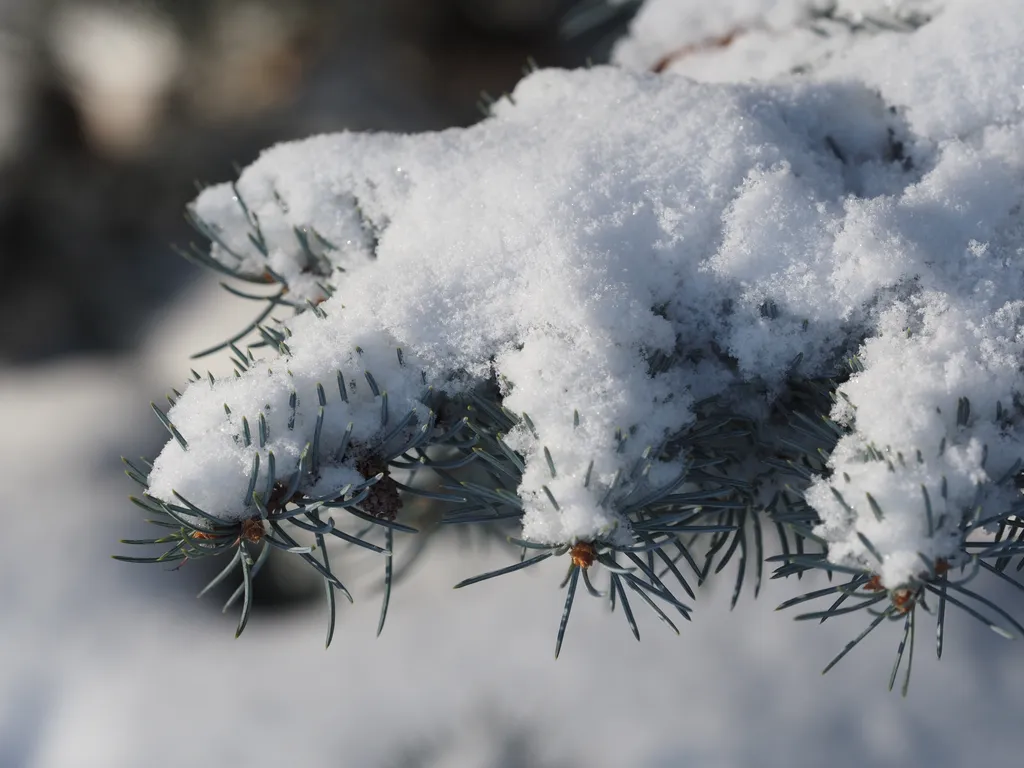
(108,664)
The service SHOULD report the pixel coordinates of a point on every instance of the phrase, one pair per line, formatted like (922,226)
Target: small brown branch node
(583,554)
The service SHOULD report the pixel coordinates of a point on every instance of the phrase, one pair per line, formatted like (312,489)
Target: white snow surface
(601,215)
(768,31)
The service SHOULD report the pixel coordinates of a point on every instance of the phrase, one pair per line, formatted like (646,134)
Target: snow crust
(602,216)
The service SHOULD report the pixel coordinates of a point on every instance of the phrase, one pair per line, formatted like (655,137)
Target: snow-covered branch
(646,306)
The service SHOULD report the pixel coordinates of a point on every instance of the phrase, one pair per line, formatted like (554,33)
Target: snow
(538,271)
(954,77)
(600,217)
(955,234)
(663,27)
(739,40)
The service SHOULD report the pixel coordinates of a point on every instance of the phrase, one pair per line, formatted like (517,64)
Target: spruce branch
(658,353)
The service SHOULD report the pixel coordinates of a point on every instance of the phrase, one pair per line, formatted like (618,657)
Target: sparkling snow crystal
(611,247)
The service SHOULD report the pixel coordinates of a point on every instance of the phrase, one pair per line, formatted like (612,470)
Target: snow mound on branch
(597,218)
(662,28)
(600,220)
(954,76)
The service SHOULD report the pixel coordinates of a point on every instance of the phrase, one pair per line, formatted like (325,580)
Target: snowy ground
(106,664)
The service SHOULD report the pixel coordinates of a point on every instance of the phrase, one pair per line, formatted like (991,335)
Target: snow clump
(602,219)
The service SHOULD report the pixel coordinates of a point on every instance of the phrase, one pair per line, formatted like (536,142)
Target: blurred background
(110,114)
